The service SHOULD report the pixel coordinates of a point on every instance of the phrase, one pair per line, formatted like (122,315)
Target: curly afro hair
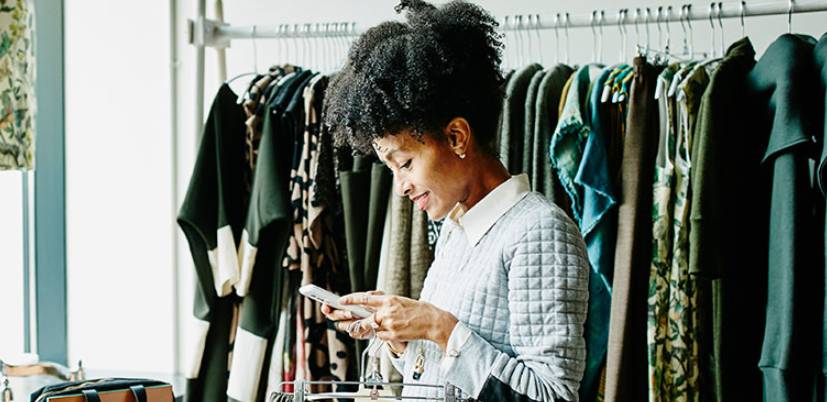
(440,64)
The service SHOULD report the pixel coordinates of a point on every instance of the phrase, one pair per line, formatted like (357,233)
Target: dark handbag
(106,390)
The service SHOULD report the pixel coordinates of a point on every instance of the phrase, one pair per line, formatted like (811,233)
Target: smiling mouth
(421,200)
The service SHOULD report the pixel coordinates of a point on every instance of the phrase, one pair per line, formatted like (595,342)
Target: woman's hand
(345,321)
(401,319)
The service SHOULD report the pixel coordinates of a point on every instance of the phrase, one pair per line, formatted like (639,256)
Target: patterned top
(16,86)
(516,278)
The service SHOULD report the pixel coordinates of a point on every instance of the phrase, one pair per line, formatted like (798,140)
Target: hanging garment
(598,228)
(673,323)
(662,218)
(569,138)
(723,228)
(821,172)
(296,257)
(526,165)
(788,116)
(312,248)
(270,219)
(398,272)
(212,216)
(266,202)
(17,92)
(513,117)
(626,362)
(254,106)
(545,121)
(364,190)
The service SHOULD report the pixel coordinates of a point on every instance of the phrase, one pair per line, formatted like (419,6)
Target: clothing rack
(215,34)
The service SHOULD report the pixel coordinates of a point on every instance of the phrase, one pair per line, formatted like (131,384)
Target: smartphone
(327,297)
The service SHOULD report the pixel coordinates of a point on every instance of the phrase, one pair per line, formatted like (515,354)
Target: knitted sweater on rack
(519,289)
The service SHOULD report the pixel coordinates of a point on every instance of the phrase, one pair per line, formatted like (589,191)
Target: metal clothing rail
(210,33)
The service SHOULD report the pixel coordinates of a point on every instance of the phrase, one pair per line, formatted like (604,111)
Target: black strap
(91,395)
(139,392)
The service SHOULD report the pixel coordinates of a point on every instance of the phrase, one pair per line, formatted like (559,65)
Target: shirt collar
(476,221)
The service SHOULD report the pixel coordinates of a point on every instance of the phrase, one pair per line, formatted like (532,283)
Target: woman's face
(426,170)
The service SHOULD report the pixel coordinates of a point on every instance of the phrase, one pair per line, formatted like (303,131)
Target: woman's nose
(402,186)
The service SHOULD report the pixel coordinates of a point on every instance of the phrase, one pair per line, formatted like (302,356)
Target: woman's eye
(407,164)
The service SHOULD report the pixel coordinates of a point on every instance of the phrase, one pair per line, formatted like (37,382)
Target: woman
(503,306)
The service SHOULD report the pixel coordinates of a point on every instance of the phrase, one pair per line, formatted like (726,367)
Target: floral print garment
(16,86)
(673,330)
(662,213)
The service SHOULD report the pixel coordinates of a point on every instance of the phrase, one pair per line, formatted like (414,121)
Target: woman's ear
(458,133)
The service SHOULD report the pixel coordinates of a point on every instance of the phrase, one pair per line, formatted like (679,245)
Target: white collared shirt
(476,221)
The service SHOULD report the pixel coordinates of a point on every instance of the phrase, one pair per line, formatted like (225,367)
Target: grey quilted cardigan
(520,295)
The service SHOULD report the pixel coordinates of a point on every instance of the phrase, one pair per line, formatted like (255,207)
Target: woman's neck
(488,174)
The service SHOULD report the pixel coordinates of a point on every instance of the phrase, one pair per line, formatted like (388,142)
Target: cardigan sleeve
(548,273)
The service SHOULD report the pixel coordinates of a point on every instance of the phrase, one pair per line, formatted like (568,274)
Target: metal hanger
(537,26)
(668,29)
(721,25)
(600,24)
(682,20)
(743,11)
(557,38)
(592,24)
(646,23)
(660,30)
(790,16)
(689,28)
(568,24)
(507,40)
(712,26)
(637,32)
(621,27)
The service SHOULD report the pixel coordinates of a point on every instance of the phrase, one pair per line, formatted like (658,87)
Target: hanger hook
(689,28)
(592,24)
(790,16)
(646,23)
(537,27)
(681,19)
(556,38)
(668,29)
(567,25)
(721,26)
(743,11)
(620,31)
(624,16)
(600,26)
(637,27)
(712,26)
(255,50)
(658,20)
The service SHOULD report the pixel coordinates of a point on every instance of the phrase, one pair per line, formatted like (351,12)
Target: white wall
(120,263)
(11,263)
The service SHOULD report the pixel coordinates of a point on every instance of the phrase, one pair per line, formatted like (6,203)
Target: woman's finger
(339,315)
(364,299)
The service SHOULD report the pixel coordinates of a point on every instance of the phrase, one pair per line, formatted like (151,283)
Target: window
(11,264)
(119,214)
